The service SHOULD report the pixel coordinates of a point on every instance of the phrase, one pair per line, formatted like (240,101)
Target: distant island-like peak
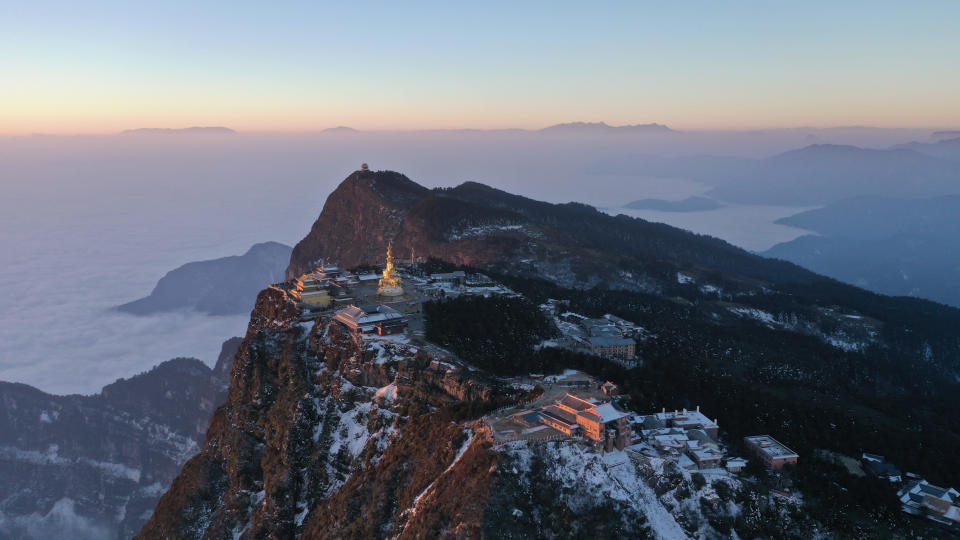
(340,129)
(690,204)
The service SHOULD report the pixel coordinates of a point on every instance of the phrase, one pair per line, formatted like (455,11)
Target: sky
(100,67)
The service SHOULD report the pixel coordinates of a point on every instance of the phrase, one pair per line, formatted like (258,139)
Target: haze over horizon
(110,67)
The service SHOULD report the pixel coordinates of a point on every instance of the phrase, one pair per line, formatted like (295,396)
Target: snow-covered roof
(771,447)
(368,314)
(705,454)
(608,413)
(686,419)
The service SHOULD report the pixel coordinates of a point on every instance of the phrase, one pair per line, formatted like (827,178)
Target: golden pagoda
(390,283)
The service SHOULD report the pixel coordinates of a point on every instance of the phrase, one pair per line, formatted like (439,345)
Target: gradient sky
(94,67)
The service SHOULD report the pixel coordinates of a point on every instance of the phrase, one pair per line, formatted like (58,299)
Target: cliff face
(320,433)
(95,466)
(358,219)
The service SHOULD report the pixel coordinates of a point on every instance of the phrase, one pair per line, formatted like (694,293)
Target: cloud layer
(88,223)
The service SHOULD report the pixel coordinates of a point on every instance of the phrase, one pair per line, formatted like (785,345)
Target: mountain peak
(340,129)
(603,127)
(196,130)
(394,187)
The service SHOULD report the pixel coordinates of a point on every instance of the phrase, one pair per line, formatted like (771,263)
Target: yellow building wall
(322,300)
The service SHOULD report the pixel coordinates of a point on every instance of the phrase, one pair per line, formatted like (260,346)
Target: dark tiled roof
(559,414)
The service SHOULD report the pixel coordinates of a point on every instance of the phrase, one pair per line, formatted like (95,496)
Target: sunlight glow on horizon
(696,66)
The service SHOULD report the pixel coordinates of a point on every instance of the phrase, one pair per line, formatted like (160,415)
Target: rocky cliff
(95,466)
(326,434)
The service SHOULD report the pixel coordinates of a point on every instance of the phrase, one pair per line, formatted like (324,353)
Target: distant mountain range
(892,246)
(225,286)
(572,128)
(948,148)
(813,175)
(93,467)
(197,130)
(824,173)
(604,128)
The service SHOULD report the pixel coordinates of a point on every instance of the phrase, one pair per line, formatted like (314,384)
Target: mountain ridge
(329,436)
(224,286)
(94,466)
(195,130)
(603,127)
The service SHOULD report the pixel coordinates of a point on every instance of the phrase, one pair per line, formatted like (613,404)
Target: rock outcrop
(312,418)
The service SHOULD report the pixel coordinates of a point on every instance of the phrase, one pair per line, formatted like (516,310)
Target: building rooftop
(558,413)
(531,417)
(608,413)
(576,403)
(685,419)
(706,454)
(367,314)
(881,468)
(772,447)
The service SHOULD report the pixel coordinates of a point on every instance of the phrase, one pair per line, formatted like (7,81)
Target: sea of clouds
(87,223)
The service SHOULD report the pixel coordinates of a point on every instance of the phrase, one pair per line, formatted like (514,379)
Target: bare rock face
(358,219)
(95,466)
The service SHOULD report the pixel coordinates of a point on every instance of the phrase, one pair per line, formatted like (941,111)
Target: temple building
(599,421)
(371,318)
(390,283)
(313,292)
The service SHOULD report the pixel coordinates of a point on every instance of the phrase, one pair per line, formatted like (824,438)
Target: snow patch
(388,393)
(753,313)
(463,448)
(482,230)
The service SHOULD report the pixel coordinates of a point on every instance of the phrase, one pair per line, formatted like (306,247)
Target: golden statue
(390,283)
